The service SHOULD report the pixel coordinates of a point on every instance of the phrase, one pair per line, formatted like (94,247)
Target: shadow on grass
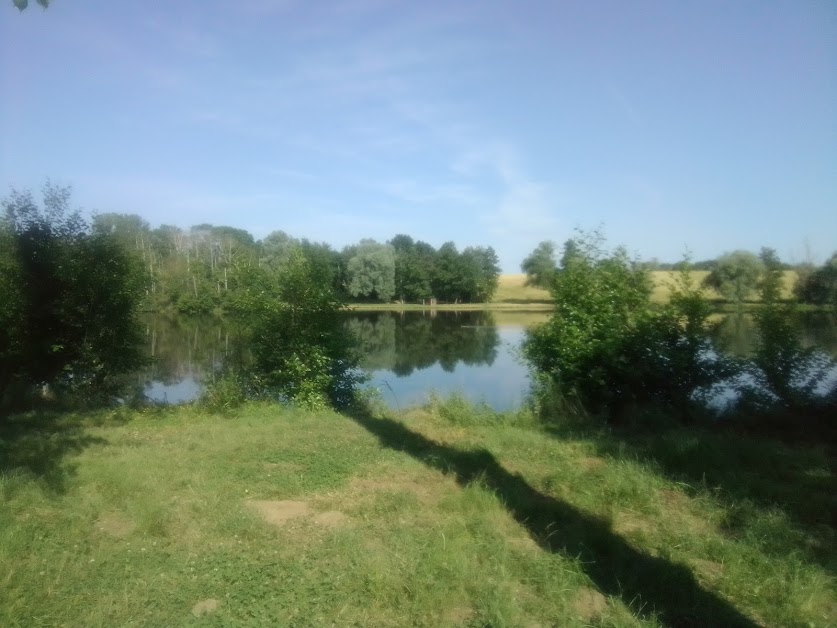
(37,443)
(750,475)
(650,586)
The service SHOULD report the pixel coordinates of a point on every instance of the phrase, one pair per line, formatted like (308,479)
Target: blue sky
(710,125)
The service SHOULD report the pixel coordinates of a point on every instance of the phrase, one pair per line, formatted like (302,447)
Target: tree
(447,279)
(481,273)
(736,275)
(413,268)
(277,248)
(819,286)
(301,350)
(540,266)
(70,299)
(371,271)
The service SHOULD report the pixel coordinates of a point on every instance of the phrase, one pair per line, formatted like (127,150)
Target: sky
(702,126)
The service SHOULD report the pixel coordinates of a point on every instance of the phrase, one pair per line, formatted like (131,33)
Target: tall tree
(540,266)
(447,280)
(481,269)
(413,268)
(736,275)
(72,295)
(371,271)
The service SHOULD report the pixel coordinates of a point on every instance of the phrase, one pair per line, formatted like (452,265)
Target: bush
(607,350)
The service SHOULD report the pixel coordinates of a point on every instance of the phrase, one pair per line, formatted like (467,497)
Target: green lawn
(442,516)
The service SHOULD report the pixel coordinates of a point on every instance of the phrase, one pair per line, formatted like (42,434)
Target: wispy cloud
(413,192)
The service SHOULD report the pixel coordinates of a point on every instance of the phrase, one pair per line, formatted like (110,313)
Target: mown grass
(449,515)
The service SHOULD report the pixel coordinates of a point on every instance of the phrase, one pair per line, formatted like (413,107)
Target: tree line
(201,269)
(735,276)
(71,289)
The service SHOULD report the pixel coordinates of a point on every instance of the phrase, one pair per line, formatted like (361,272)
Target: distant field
(513,288)
(664,279)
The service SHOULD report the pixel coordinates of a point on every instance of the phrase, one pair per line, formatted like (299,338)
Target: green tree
(301,351)
(607,349)
(71,297)
(481,273)
(819,285)
(447,280)
(371,271)
(413,268)
(541,266)
(736,275)
(277,249)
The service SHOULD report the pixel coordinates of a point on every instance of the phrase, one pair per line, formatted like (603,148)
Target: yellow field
(513,288)
(664,279)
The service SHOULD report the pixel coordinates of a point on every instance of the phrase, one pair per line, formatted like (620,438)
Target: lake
(408,354)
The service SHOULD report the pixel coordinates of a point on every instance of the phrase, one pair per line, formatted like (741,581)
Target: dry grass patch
(115,525)
(589,604)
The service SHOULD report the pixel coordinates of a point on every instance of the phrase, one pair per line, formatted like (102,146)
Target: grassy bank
(443,516)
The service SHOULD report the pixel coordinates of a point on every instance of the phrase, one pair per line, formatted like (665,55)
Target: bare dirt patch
(458,615)
(589,604)
(279,512)
(115,525)
(205,607)
(330,519)
(424,486)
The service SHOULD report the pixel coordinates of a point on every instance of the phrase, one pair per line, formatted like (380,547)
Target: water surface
(408,354)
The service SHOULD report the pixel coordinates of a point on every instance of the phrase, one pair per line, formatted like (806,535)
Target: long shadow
(38,444)
(750,475)
(650,586)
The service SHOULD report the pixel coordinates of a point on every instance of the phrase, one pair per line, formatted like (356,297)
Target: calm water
(407,354)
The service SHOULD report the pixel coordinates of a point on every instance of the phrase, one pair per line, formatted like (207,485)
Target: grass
(449,515)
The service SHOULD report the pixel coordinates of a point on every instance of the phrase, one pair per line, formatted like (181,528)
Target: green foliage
(301,351)
(540,266)
(224,395)
(414,263)
(606,348)
(69,298)
(819,286)
(481,272)
(371,271)
(736,275)
(784,375)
